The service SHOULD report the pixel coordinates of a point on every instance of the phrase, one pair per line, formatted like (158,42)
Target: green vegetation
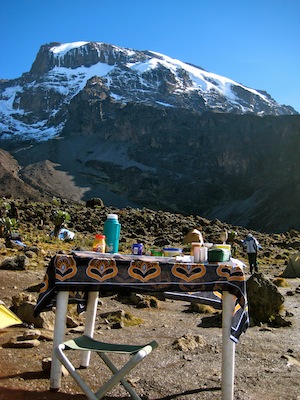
(59,218)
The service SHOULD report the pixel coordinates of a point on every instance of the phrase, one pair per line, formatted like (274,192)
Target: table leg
(90,319)
(58,337)
(228,346)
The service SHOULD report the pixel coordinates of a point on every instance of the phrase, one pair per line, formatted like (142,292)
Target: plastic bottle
(112,229)
(99,243)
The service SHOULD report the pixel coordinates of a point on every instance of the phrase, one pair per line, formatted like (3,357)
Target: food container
(172,252)
(137,248)
(222,246)
(156,252)
(218,255)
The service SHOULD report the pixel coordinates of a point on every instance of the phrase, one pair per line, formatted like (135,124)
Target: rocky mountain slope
(156,229)
(140,129)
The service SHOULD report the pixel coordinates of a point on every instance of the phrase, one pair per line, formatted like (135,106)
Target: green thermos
(112,229)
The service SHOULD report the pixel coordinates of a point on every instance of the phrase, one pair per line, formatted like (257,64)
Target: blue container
(112,229)
(137,249)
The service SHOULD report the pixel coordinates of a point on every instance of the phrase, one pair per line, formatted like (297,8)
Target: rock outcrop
(265,301)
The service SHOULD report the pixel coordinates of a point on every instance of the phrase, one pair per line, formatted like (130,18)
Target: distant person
(252,246)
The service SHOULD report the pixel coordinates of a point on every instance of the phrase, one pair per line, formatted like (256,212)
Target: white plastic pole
(58,337)
(228,346)
(90,318)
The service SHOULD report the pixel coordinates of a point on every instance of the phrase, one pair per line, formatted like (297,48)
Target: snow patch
(62,49)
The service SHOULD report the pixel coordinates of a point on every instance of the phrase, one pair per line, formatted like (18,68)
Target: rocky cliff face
(240,169)
(141,129)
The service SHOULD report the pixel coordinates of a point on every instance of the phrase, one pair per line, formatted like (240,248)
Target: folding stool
(86,343)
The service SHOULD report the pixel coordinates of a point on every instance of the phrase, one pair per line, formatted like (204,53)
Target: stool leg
(119,374)
(72,370)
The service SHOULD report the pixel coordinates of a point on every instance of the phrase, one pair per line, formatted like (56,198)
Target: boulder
(94,202)
(265,301)
(23,305)
(18,263)
(44,320)
(189,342)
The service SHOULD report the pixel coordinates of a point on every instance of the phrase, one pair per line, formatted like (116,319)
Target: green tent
(293,267)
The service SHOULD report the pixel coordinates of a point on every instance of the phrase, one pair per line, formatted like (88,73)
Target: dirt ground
(267,361)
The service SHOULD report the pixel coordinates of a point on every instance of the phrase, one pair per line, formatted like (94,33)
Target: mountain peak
(78,54)
(36,105)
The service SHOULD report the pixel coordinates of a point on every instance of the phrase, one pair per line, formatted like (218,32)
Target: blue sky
(256,43)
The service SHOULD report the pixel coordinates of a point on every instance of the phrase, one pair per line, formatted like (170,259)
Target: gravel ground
(267,361)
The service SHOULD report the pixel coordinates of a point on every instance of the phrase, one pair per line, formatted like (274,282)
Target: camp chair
(86,343)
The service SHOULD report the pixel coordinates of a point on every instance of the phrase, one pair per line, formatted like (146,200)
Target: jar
(99,243)
(137,249)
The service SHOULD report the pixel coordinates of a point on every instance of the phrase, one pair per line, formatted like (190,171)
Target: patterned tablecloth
(80,272)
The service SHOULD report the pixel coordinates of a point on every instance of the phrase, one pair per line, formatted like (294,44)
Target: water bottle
(112,229)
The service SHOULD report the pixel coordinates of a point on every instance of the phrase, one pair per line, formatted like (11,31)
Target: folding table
(90,272)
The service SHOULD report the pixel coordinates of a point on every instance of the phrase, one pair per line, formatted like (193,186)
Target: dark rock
(94,202)
(290,293)
(23,306)
(264,299)
(278,321)
(15,263)
(33,249)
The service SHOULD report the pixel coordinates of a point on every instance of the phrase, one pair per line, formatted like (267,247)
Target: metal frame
(86,343)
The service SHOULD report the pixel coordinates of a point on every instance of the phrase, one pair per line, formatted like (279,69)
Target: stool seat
(85,343)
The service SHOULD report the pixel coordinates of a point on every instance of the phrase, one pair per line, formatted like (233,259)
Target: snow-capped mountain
(36,106)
